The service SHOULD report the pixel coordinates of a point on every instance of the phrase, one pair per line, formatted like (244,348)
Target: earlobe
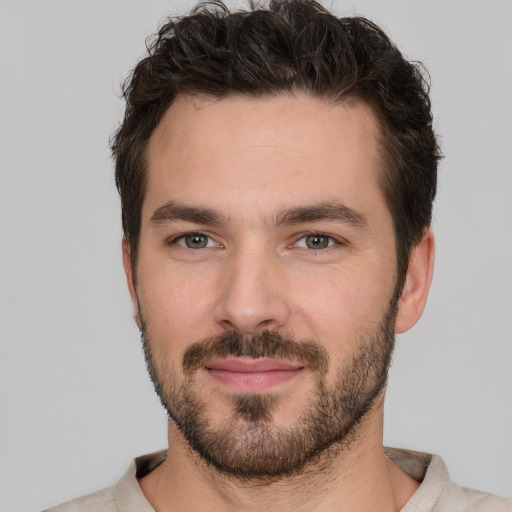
(417,283)
(130,279)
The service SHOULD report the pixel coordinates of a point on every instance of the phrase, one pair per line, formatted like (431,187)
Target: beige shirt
(437,493)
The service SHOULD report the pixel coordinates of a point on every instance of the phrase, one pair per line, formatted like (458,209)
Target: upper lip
(247,365)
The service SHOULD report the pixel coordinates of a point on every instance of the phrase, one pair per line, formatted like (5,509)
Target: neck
(355,476)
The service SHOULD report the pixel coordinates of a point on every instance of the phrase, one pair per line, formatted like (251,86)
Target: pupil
(196,241)
(317,242)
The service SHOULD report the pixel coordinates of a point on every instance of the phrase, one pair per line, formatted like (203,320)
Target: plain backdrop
(76,403)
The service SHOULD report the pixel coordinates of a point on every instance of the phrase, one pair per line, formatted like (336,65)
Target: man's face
(266,276)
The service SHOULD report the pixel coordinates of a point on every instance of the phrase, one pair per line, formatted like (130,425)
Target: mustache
(268,344)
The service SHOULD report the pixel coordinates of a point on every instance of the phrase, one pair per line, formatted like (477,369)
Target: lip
(252,375)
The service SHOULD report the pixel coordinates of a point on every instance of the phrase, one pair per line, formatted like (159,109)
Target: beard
(247,445)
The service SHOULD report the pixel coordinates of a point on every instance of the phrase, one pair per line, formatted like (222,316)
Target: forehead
(262,151)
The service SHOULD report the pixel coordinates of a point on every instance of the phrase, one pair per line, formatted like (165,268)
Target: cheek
(176,308)
(338,309)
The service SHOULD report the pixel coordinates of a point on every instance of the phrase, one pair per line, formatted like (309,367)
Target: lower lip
(253,381)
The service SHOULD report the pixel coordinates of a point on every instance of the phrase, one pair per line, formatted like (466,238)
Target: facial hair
(247,445)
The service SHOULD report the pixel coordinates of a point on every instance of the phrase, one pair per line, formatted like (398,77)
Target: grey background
(75,402)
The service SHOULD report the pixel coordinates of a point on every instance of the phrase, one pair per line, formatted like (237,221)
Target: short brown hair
(290,45)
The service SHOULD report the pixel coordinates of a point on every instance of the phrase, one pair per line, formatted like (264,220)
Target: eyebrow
(172,212)
(330,211)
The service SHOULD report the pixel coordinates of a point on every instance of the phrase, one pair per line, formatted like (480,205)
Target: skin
(249,160)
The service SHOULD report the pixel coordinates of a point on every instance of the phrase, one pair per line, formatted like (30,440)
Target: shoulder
(456,498)
(437,492)
(104,501)
(124,496)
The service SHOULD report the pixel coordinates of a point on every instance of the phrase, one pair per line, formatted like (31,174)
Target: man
(277,170)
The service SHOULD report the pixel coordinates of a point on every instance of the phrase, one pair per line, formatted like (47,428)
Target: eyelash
(331,241)
(175,239)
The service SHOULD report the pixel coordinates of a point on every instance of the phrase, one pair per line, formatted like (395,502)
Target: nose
(252,294)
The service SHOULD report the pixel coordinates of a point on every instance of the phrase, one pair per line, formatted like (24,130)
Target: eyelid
(336,239)
(173,240)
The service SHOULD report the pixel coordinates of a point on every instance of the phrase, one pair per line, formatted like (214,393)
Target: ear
(417,283)
(130,279)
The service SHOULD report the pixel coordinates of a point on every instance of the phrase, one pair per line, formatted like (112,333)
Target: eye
(316,241)
(195,241)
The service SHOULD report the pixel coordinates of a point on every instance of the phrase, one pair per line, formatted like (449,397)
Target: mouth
(252,375)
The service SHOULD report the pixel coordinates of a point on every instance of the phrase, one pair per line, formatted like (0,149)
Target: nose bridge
(252,297)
